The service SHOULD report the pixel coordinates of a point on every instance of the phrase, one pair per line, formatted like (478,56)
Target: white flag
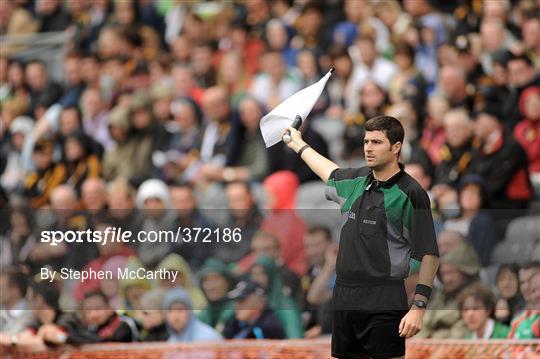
(281,117)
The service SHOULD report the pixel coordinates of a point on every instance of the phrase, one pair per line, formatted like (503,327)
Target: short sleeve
(419,221)
(341,184)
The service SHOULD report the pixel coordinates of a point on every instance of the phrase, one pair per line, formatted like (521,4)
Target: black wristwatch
(420,304)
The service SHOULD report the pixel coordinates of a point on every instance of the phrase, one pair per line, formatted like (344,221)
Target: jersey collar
(373,184)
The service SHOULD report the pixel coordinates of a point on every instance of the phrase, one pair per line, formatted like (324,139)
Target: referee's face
(377,150)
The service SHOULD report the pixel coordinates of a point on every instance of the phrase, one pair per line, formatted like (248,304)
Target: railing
(48,47)
(289,349)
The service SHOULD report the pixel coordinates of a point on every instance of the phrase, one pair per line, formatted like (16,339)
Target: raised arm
(319,164)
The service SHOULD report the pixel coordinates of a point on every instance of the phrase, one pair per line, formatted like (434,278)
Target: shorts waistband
(366,282)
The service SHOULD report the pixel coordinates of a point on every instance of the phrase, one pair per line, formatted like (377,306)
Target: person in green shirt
(265,272)
(477,307)
(216,281)
(526,325)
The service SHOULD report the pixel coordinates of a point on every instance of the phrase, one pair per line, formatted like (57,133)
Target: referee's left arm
(425,249)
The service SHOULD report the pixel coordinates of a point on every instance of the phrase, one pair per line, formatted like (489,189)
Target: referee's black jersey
(384,224)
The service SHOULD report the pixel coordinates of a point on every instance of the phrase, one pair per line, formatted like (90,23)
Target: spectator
(448,241)
(432,35)
(372,66)
(39,184)
(15,315)
(521,75)
(65,217)
(147,134)
(73,82)
(94,194)
(232,76)
(94,117)
(530,30)
(52,15)
(433,135)
(19,240)
(266,273)
(526,324)
(175,262)
(49,329)
(474,223)
(468,60)
(154,200)
(188,215)
(70,123)
(121,205)
(527,130)
(80,163)
(105,252)
(44,92)
(185,134)
(283,220)
(218,118)
(152,317)
(360,21)
(14,170)
(202,58)
(341,90)
(411,150)
(458,269)
(253,318)
(453,85)
(275,83)
(278,38)
(321,254)
(494,38)
(501,161)
(161,95)
(477,304)
(182,324)
(264,243)
(250,47)
(131,289)
(408,83)
(102,324)
(18,88)
(111,286)
(311,33)
(120,161)
(243,214)
(455,154)
(507,282)
(247,159)
(216,281)
(14,20)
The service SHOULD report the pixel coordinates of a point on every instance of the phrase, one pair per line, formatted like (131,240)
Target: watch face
(420,303)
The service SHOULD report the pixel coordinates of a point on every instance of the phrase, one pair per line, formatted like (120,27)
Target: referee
(386,222)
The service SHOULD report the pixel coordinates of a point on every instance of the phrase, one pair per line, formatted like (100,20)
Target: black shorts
(365,321)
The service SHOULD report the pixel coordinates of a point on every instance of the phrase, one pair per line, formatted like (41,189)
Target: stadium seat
(521,241)
(315,209)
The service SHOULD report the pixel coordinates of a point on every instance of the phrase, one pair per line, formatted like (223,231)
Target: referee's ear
(396,148)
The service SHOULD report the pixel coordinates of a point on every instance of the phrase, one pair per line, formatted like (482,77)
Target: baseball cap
(244,289)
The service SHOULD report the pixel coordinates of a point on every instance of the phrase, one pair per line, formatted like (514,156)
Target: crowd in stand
(159,108)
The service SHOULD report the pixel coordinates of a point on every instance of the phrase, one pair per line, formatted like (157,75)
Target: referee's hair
(391,127)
